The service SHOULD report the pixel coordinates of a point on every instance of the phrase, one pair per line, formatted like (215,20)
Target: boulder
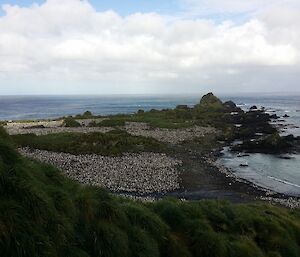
(253,108)
(274,116)
(230,105)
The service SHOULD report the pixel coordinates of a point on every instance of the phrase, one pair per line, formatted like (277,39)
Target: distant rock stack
(210,100)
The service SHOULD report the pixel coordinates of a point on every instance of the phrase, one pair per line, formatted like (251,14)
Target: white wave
(284,181)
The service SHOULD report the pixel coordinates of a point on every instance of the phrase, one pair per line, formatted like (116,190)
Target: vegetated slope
(114,142)
(43,213)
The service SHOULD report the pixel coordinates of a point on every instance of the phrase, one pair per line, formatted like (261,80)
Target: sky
(149,46)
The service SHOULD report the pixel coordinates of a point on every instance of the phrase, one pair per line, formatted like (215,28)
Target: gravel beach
(56,130)
(52,127)
(172,136)
(142,173)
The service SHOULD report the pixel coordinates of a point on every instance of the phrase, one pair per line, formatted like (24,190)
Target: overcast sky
(149,46)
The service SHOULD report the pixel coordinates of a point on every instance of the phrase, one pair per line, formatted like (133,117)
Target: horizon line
(156,94)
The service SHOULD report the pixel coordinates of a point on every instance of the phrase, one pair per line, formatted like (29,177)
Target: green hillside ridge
(42,213)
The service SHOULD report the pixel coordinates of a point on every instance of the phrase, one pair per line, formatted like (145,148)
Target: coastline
(199,176)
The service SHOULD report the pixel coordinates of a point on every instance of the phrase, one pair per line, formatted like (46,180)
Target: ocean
(42,107)
(265,170)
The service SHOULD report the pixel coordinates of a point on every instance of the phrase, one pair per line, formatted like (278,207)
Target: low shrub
(71,122)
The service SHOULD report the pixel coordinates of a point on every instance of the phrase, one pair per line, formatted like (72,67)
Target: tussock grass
(71,123)
(110,143)
(43,213)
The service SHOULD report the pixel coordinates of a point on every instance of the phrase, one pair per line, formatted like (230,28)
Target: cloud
(69,41)
(232,6)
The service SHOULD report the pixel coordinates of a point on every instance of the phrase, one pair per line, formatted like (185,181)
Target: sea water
(42,107)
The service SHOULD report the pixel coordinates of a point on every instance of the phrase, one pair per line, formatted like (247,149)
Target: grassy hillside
(111,143)
(44,214)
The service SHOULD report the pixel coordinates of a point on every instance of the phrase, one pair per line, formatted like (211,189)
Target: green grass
(171,119)
(43,213)
(162,119)
(109,123)
(204,114)
(71,122)
(112,143)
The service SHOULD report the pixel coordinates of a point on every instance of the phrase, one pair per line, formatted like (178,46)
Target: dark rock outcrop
(210,100)
(274,116)
(271,144)
(230,105)
(253,108)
